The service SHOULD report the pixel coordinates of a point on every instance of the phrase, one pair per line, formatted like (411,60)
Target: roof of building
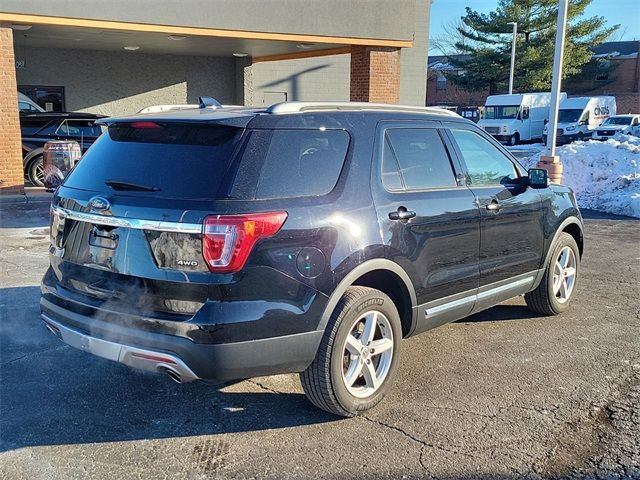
(443,62)
(626,49)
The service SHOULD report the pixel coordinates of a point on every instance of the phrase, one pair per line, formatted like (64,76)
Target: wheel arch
(29,157)
(574,227)
(383,275)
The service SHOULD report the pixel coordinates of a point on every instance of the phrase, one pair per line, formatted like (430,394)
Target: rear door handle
(493,206)
(402,214)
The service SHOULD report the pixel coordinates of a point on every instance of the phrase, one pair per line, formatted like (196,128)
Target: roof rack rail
(297,107)
(204,102)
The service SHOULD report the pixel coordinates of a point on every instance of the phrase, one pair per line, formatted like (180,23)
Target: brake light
(145,125)
(228,240)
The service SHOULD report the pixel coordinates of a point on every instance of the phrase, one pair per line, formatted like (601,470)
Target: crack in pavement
(260,385)
(424,444)
(31,354)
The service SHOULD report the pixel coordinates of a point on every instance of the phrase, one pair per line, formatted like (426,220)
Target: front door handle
(402,214)
(493,206)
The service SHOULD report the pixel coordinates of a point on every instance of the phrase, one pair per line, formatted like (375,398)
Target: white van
(517,117)
(578,117)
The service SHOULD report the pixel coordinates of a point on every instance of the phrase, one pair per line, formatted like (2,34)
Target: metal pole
(513,55)
(557,77)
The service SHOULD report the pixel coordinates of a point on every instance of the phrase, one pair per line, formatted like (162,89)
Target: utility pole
(550,161)
(513,55)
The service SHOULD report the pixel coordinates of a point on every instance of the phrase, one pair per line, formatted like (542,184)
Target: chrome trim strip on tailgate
(128,222)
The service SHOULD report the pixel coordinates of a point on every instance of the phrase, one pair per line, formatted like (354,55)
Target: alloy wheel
(564,274)
(367,354)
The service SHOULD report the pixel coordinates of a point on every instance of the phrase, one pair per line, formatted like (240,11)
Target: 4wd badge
(187,263)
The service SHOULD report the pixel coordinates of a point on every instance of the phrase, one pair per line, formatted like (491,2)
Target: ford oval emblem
(99,203)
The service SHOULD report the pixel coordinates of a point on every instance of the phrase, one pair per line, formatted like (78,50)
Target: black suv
(38,128)
(226,243)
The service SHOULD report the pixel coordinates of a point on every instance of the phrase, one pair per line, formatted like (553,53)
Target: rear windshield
(176,160)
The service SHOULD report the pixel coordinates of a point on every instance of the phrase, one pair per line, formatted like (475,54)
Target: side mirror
(546,120)
(538,178)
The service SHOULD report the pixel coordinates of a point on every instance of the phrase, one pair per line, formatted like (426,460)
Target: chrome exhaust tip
(171,373)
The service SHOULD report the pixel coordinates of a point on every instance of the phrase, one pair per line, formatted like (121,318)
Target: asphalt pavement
(504,394)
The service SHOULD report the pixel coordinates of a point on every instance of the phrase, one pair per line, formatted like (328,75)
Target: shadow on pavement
(594,215)
(501,313)
(52,394)
(24,215)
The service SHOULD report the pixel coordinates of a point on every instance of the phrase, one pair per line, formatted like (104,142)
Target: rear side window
(180,160)
(415,159)
(290,163)
(78,128)
(29,127)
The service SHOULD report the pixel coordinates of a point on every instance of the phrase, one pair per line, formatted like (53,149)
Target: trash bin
(59,157)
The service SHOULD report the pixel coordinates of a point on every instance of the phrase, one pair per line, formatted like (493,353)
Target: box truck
(578,117)
(516,117)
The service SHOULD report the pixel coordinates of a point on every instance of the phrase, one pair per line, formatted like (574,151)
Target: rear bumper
(181,356)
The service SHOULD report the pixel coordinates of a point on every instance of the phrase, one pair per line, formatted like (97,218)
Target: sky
(623,12)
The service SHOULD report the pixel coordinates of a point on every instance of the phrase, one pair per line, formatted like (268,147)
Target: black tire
(543,299)
(581,137)
(514,139)
(322,381)
(35,166)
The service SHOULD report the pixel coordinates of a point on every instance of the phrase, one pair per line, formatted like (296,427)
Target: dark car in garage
(39,128)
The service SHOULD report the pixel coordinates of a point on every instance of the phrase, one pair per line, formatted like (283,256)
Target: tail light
(228,239)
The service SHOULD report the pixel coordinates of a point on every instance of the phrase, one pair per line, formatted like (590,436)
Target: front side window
(415,159)
(486,164)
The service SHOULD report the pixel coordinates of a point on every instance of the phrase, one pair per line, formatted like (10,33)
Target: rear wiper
(119,185)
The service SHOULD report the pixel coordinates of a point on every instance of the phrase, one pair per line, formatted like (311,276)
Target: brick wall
(624,78)
(375,74)
(11,173)
(451,94)
(627,103)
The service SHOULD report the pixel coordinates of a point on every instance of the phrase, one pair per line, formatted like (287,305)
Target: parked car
(578,117)
(517,117)
(618,125)
(26,105)
(223,244)
(38,128)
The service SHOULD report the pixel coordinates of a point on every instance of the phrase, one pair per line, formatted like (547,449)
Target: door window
(486,164)
(415,159)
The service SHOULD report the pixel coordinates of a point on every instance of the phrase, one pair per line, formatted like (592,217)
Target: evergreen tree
(487,39)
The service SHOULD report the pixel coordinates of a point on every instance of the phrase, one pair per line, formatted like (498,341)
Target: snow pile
(605,176)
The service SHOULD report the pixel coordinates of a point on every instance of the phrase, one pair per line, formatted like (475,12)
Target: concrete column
(11,173)
(375,74)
